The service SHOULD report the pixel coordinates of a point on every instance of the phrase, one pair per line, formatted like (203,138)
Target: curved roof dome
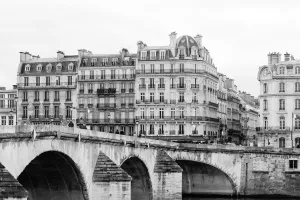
(186,41)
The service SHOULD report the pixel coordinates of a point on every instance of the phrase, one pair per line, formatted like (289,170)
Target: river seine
(228,198)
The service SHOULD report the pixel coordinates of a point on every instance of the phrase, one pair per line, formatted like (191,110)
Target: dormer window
(49,68)
(114,61)
(104,61)
(93,62)
(39,67)
(27,68)
(126,61)
(162,55)
(281,70)
(152,55)
(70,67)
(297,70)
(58,67)
(84,62)
(143,55)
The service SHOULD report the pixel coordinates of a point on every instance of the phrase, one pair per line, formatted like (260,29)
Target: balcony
(67,85)
(90,91)
(68,99)
(161,86)
(181,86)
(181,57)
(213,104)
(131,90)
(123,105)
(194,101)
(195,86)
(172,86)
(56,100)
(160,132)
(106,106)
(194,57)
(273,129)
(151,86)
(81,91)
(90,105)
(181,101)
(36,100)
(109,91)
(142,86)
(123,90)
(172,101)
(81,105)
(195,132)
(172,132)
(131,105)
(180,132)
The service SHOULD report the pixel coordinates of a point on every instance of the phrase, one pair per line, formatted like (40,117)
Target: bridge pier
(167,178)
(110,182)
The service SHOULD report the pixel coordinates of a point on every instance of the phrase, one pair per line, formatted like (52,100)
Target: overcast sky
(238,34)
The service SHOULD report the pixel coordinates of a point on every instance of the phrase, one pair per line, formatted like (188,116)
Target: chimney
(22,57)
(60,55)
(14,87)
(198,39)
(274,58)
(269,59)
(286,56)
(173,39)
(35,57)
(27,56)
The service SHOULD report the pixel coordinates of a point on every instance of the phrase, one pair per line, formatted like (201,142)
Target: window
(297,70)
(143,55)
(162,55)
(281,87)
(181,113)
(161,97)
(161,129)
(142,96)
(151,113)
(70,66)
(161,113)
(142,113)
(281,142)
(151,129)
(181,67)
(152,68)
(56,97)
(297,142)
(37,81)
(47,80)
(11,120)
(172,68)
(26,81)
(58,67)
(93,62)
(91,74)
(281,70)
(114,61)
(69,112)
(39,67)
(49,68)
(265,122)
(265,105)
(57,81)
(282,123)
(25,96)
(265,88)
(56,111)
(281,104)
(24,112)
(36,111)
(161,68)
(297,104)
(84,62)
(172,112)
(142,68)
(181,129)
(297,123)
(69,94)
(181,97)
(151,97)
(36,95)
(152,55)
(104,61)
(69,80)
(297,87)
(293,164)
(102,74)
(181,82)
(46,111)
(194,100)
(3,120)
(113,74)
(46,96)
(27,68)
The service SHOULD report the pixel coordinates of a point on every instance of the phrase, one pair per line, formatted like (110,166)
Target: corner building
(47,89)
(279,102)
(106,91)
(176,89)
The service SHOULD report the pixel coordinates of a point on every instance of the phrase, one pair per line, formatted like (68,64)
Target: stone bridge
(56,162)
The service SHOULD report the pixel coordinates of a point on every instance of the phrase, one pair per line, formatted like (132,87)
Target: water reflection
(229,198)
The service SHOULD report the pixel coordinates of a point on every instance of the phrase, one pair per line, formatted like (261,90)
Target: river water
(228,198)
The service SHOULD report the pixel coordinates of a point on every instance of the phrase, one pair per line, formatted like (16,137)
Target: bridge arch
(141,185)
(202,178)
(53,175)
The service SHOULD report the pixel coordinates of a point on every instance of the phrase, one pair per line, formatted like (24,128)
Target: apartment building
(222,106)
(47,90)
(176,89)
(8,106)
(106,95)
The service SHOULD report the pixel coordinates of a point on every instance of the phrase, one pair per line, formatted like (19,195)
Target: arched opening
(200,179)
(71,124)
(282,142)
(141,188)
(52,176)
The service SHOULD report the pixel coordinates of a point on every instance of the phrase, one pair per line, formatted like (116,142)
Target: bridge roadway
(56,162)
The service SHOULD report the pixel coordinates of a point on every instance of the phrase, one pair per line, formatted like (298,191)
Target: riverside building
(8,106)
(176,89)
(106,96)
(47,90)
(279,102)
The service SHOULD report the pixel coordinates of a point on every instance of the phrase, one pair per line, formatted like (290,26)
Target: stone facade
(176,89)
(279,100)
(8,106)
(106,92)
(47,89)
